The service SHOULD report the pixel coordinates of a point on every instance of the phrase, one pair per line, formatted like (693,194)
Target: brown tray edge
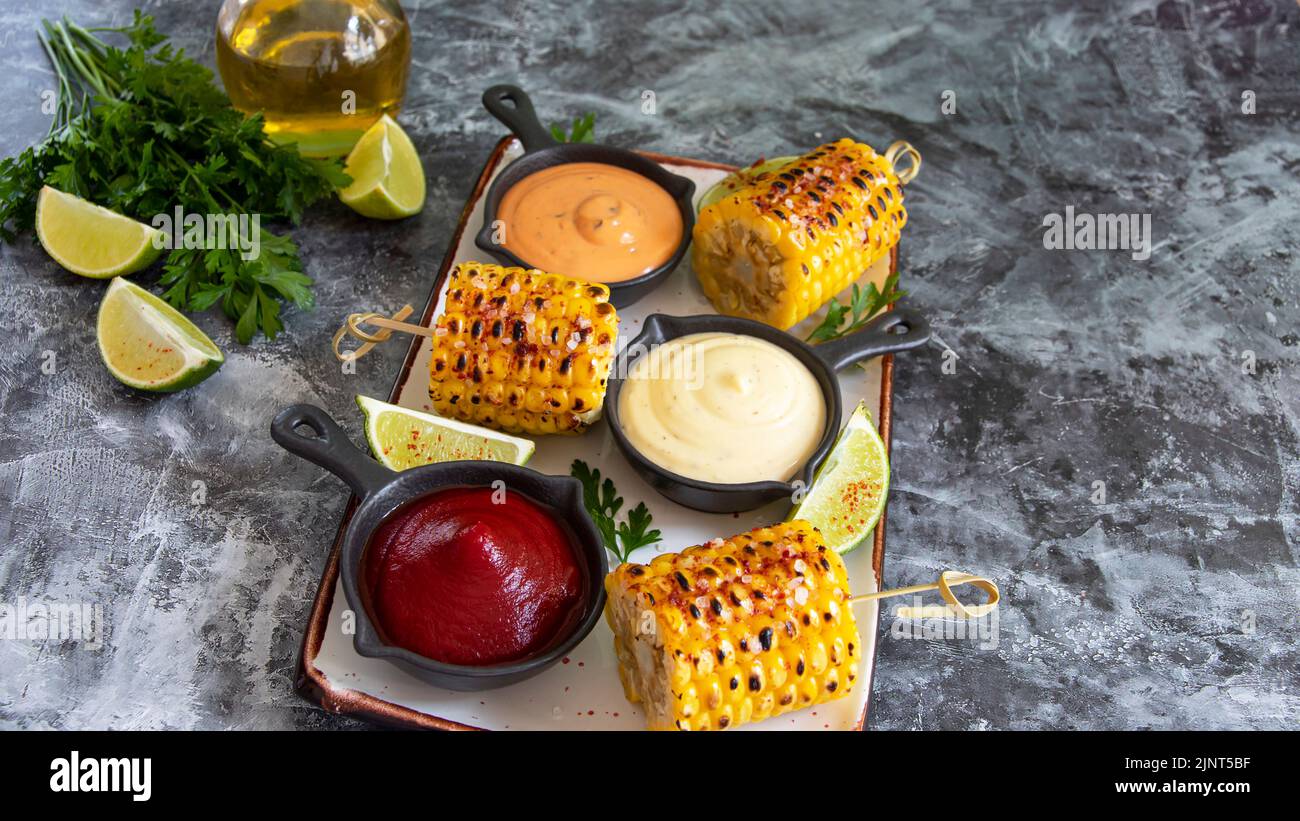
(311,684)
(878,545)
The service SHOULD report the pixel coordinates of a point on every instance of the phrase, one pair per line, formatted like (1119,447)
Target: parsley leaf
(584,130)
(635,532)
(863,305)
(603,503)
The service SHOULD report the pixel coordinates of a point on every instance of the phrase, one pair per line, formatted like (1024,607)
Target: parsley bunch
(603,503)
(143,129)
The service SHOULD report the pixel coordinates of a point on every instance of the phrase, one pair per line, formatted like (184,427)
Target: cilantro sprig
(584,130)
(142,129)
(863,305)
(603,503)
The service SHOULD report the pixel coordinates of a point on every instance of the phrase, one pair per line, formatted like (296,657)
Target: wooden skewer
(897,151)
(948,579)
(352,327)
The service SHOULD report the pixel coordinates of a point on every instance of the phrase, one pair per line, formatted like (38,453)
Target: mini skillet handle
(901,329)
(511,106)
(330,448)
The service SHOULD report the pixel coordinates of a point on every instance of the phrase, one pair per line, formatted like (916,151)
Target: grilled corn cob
(522,350)
(780,247)
(734,630)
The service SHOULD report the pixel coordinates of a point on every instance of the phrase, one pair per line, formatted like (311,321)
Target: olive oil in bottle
(320,71)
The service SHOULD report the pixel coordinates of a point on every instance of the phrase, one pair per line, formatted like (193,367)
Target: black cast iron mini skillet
(511,106)
(899,330)
(381,491)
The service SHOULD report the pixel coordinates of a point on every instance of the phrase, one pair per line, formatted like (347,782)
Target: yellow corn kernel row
(522,350)
(779,248)
(742,629)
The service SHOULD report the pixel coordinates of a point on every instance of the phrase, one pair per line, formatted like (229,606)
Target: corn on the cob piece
(734,630)
(522,350)
(779,248)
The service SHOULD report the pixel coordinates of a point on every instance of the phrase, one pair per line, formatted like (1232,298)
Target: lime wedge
(737,180)
(848,494)
(387,179)
(401,438)
(148,344)
(90,240)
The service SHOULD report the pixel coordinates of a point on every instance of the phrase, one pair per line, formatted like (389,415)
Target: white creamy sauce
(723,407)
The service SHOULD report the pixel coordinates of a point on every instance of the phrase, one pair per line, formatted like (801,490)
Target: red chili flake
(565,660)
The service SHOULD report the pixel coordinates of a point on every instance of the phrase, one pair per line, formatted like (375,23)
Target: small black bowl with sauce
(512,107)
(383,494)
(898,330)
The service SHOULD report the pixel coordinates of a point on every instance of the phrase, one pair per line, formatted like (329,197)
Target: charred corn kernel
(734,630)
(782,246)
(521,350)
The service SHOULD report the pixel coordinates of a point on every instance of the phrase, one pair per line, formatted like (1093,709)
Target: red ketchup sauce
(457,578)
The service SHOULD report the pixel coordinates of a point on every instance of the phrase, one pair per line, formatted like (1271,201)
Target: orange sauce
(590,221)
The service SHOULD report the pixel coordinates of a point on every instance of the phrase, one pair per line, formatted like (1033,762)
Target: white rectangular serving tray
(583,692)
